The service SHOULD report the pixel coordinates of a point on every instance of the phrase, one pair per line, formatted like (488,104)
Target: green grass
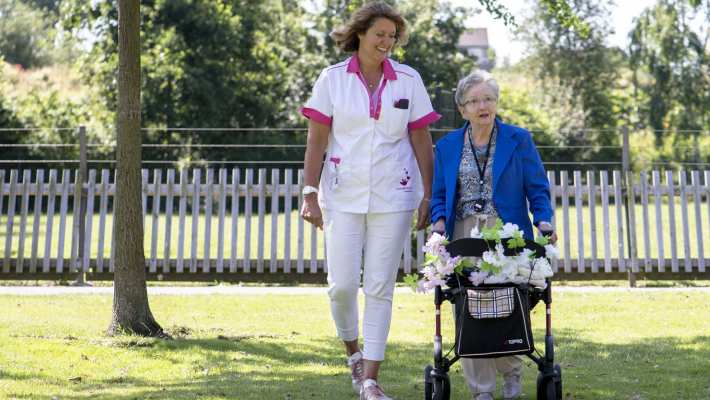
(572,239)
(621,345)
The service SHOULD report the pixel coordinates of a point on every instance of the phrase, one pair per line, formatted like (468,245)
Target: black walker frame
(437,385)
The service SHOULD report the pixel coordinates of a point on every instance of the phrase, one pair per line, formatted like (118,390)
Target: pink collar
(387,70)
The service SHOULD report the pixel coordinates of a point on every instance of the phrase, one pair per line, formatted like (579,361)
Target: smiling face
(377,42)
(479,105)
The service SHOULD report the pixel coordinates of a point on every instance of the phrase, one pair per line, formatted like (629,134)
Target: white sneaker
(483,396)
(357,371)
(512,388)
(372,391)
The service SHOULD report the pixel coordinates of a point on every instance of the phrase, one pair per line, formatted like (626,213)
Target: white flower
(520,268)
(510,268)
(491,258)
(494,279)
(508,230)
(522,260)
(500,250)
(538,283)
(552,252)
(543,266)
(526,253)
(477,277)
(475,233)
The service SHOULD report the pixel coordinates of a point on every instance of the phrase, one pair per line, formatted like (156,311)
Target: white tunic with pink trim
(370,165)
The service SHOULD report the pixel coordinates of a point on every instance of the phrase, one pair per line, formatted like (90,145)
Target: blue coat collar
(506,142)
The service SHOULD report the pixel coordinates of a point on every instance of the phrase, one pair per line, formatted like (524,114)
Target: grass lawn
(612,345)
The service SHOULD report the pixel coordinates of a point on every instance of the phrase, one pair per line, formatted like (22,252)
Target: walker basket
(492,321)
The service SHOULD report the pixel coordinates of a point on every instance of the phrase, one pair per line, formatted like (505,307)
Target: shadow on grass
(272,367)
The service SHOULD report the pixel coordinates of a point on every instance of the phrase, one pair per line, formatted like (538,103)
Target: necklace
(369,82)
(481,170)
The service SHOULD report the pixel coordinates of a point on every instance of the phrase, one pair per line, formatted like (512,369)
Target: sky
(503,42)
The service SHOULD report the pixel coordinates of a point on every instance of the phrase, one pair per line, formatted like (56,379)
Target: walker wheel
(436,387)
(428,385)
(550,387)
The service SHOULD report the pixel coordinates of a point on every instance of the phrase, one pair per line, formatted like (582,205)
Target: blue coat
(518,175)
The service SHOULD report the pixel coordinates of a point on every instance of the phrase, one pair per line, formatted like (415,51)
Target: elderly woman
(368,116)
(484,171)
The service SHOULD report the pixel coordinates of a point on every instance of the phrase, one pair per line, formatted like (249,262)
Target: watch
(309,189)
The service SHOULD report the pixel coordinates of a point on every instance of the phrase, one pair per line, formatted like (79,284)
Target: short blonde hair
(473,79)
(345,36)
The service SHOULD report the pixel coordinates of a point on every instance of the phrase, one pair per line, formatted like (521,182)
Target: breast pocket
(397,120)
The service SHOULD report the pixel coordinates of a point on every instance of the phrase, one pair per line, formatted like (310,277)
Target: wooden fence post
(630,207)
(80,195)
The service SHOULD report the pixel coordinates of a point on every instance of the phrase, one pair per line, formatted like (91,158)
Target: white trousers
(480,373)
(374,242)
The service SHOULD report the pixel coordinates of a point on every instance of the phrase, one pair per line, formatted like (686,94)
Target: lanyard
(481,170)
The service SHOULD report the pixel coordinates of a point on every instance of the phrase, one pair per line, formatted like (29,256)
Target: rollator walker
(492,337)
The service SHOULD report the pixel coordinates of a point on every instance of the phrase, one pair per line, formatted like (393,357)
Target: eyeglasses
(485,101)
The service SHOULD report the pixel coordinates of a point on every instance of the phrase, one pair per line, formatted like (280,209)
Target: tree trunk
(131,312)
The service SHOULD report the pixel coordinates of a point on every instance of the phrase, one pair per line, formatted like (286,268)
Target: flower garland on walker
(493,267)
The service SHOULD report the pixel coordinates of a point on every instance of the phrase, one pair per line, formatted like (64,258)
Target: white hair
(473,79)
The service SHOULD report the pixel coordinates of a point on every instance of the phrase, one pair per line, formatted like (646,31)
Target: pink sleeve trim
(316,116)
(424,121)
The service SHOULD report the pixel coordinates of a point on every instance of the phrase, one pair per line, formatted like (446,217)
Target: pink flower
(446,269)
(441,252)
(421,286)
(335,160)
(428,285)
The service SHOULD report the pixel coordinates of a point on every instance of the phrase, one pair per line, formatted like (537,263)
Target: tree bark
(131,311)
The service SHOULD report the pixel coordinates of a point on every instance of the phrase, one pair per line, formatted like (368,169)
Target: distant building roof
(474,37)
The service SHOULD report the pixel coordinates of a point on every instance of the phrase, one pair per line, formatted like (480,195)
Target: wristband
(309,189)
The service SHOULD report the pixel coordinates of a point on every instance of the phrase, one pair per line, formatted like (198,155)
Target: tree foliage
(436,28)
(248,64)
(580,69)
(565,15)
(51,6)
(25,35)
(244,64)
(8,118)
(206,63)
(671,67)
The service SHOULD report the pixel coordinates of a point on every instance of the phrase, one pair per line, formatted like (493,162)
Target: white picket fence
(181,241)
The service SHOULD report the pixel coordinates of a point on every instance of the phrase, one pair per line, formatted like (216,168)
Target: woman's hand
(422,147)
(310,211)
(439,226)
(546,229)
(423,214)
(552,238)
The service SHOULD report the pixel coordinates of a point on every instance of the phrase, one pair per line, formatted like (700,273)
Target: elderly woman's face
(479,105)
(378,41)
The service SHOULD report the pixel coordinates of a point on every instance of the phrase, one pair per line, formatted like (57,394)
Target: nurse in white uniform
(367,167)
